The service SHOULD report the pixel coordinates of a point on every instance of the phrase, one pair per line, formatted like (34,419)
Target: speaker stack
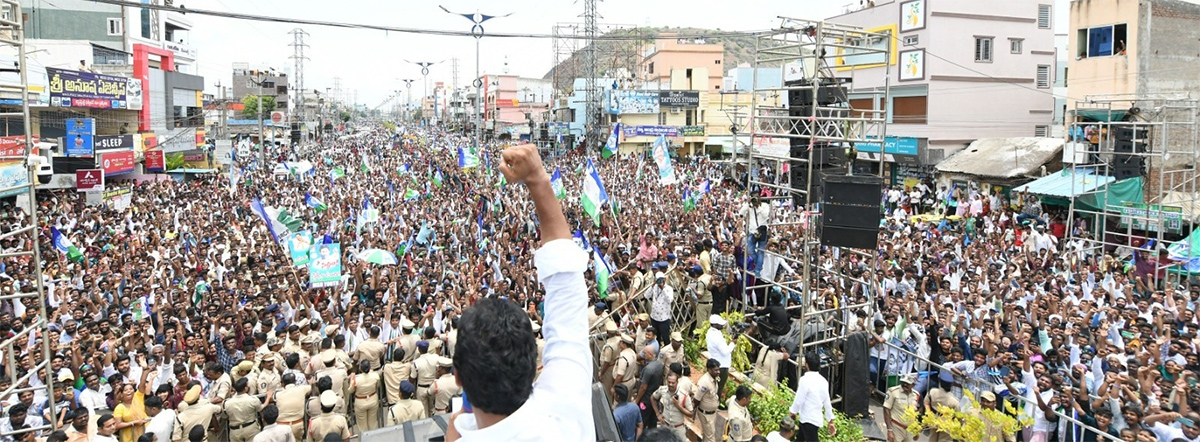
(1128,141)
(850,210)
(825,158)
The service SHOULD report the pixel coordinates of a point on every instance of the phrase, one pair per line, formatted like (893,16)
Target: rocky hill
(615,55)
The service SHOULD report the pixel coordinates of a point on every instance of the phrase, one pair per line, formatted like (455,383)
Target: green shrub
(848,429)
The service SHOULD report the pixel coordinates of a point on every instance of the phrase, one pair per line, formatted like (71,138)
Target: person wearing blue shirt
(627,415)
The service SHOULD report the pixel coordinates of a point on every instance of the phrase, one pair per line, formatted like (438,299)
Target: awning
(1101,115)
(192,171)
(1065,184)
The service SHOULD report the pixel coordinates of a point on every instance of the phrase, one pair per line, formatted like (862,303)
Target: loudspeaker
(823,155)
(1128,166)
(830,91)
(1131,132)
(295,136)
(798,172)
(850,210)
(854,237)
(856,375)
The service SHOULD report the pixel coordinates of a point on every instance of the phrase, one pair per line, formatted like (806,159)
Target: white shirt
(719,349)
(162,425)
(559,407)
(92,400)
(660,302)
(775,437)
(811,404)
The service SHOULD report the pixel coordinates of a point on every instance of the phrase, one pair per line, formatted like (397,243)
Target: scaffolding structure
(580,54)
(38,377)
(1159,134)
(783,139)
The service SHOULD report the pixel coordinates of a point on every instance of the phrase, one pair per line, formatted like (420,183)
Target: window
(115,26)
(689,117)
(701,115)
(662,118)
(268,85)
(1102,41)
(717,61)
(1043,19)
(1043,76)
(911,40)
(858,105)
(1041,131)
(1016,45)
(910,110)
(983,49)
(650,68)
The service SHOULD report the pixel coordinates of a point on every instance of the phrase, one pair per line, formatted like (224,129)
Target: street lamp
(477,20)
(408,86)
(261,77)
(424,80)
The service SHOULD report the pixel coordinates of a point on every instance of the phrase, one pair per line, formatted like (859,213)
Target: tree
(345,116)
(250,104)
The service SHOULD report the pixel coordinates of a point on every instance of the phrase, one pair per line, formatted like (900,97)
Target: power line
(439,32)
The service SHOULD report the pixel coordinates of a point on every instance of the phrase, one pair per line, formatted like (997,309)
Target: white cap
(328,398)
(716,320)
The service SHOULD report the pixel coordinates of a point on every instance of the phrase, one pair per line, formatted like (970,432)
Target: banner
(692,131)
(12,147)
(650,131)
(114,142)
(12,176)
(681,99)
(1152,217)
(300,244)
(666,173)
(118,199)
(89,180)
(632,102)
(155,161)
(325,266)
(85,89)
(892,145)
(117,163)
(80,139)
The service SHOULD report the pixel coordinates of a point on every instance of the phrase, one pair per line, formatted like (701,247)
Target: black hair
(18,408)
(364,366)
(812,361)
(333,437)
(620,393)
(659,434)
(197,433)
(742,392)
(104,418)
(324,383)
(153,402)
(61,436)
(270,414)
(339,341)
(241,385)
(711,364)
(292,360)
(398,355)
(496,342)
(288,379)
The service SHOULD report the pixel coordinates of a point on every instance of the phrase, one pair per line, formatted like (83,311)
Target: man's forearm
(549,211)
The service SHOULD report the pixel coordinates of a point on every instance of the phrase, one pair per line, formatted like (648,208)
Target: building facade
(79,34)
(245,82)
(957,72)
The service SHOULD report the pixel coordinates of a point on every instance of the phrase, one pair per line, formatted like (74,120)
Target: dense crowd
(184,316)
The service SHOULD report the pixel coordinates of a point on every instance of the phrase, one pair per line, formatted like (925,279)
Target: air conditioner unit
(674,110)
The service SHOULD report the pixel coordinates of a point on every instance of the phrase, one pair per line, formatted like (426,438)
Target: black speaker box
(1125,146)
(863,217)
(854,237)
(1131,132)
(863,190)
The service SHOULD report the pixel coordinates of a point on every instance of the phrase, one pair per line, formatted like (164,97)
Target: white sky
(372,62)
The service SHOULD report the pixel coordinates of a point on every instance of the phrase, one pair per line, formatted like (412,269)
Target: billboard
(681,99)
(117,163)
(89,180)
(118,199)
(692,131)
(1152,217)
(155,161)
(632,102)
(11,176)
(80,139)
(892,145)
(13,146)
(300,245)
(650,131)
(85,89)
(114,142)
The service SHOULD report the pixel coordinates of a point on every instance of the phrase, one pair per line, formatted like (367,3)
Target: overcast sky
(372,62)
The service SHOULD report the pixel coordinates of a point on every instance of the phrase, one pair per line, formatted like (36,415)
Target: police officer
(706,400)
(424,372)
(406,409)
(335,372)
(242,412)
(445,388)
(267,377)
(291,405)
(626,370)
(371,349)
(196,413)
(672,352)
(243,370)
(365,386)
(673,406)
(608,356)
(394,373)
(328,422)
(899,398)
(740,427)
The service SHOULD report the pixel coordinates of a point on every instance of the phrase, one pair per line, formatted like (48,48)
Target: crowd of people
(185,317)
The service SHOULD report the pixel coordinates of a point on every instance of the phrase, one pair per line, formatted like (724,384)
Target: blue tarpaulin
(1065,184)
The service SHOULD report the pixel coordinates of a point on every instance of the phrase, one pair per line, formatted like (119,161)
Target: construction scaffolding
(1116,141)
(579,53)
(36,377)
(789,125)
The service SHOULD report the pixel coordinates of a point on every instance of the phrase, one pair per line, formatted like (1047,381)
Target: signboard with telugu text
(155,161)
(89,180)
(117,163)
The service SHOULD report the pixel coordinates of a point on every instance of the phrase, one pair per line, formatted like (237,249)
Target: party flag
(689,200)
(603,271)
(411,195)
(314,203)
(63,244)
(556,183)
(467,159)
(336,173)
(610,146)
(437,178)
(593,195)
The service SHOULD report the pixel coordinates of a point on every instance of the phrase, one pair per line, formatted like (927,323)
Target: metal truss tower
(787,124)
(37,377)
(298,57)
(592,92)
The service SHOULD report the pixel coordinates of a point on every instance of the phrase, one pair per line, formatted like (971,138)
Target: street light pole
(261,76)
(477,20)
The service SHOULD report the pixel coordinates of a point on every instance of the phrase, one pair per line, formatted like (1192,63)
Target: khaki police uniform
(667,355)
(328,423)
(371,350)
(290,401)
(393,374)
(366,401)
(267,380)
(425,371)
(608,356)
(938,397)
(242,413)
(275,433)
(406,410)
(200,413)
(627,368)
(741,429)
(706,395)
(444,389)
(409,343)
(897,401)
(670,406)
(338,376)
